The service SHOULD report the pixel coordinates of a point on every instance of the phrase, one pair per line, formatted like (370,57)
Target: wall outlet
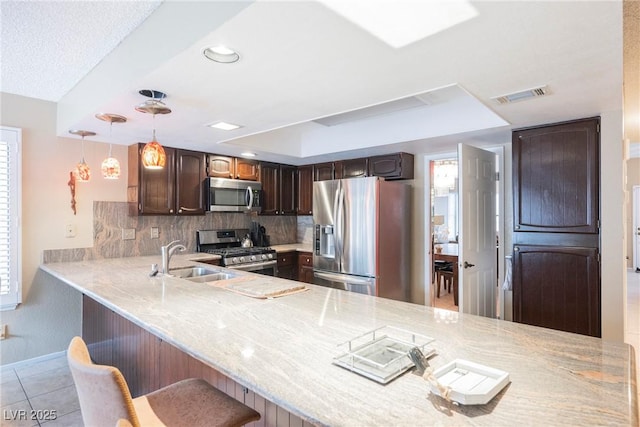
(128,234)
(70,230)
(3,332)
(155,232)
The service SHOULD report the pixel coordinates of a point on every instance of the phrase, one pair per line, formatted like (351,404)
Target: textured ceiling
(48,46)
(300,62)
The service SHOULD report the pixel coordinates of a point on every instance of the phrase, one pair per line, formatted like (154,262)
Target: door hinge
(497,176)
(598,224)
(598,128)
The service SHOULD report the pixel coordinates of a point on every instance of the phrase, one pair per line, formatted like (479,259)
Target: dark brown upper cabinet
(190,173)
(556,178)
(305,190)
(151,191)
(392,166)
(323,171)
(220,166)
(278,189)
(352,168)
(175,189)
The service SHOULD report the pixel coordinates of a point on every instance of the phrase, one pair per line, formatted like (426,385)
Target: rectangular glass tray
(382,354)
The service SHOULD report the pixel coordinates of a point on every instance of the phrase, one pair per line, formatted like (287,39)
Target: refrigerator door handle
(338,226)
(342,278)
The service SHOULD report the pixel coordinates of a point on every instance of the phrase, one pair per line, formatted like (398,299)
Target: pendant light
(153,155)
(110,166)
(82,171)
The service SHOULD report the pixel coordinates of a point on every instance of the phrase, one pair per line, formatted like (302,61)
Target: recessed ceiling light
(248,154)
(221,54)
(224,126)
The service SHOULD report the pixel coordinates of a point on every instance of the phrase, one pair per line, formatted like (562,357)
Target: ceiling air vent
(522,95)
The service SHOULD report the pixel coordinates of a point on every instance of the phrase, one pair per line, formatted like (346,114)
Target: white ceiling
(301,61)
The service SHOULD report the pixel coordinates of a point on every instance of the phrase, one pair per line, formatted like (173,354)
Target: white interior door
(636,228)
(477,242)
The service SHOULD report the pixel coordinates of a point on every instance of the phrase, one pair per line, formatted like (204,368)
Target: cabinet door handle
(182,208)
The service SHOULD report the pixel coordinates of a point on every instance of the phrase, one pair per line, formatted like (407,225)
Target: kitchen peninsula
(282,350)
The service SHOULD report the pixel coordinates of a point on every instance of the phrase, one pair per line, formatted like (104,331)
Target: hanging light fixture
(153,155)
(82,171)
(110,166)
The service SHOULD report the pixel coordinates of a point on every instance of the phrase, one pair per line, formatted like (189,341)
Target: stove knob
(263,256)
(234,260)
(241,259)
(270,256)
(253,257)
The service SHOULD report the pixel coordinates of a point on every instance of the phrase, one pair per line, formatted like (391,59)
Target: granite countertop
(283,348)
(298,247)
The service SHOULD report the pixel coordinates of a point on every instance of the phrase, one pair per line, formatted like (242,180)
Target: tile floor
(48,385)
(42,393)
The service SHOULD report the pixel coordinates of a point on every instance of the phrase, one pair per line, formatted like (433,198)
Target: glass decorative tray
(382,354)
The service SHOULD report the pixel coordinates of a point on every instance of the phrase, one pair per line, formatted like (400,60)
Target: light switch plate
(128,234)
(155,232)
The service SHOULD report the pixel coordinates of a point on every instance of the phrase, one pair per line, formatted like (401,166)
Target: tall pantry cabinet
(556,196)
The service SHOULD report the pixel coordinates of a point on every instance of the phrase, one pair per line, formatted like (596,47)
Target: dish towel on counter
(507,285)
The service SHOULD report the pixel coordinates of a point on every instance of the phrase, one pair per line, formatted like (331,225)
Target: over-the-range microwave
(232,195)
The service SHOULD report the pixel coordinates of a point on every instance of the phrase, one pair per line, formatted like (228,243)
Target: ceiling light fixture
(153,155)
(82,172)
(224,126)
(110,166)
(221,54)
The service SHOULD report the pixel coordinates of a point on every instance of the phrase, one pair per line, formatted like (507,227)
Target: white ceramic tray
(470,383)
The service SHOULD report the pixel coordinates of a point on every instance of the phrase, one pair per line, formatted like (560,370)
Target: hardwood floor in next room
(48,385)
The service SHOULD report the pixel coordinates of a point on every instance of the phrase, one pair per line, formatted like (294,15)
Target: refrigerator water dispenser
(325,241)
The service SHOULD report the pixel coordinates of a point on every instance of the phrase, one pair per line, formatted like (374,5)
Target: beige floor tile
(41,367)
(47,381)
(63,401)
(74,419)
(11,392)
(17,415)
(7,375)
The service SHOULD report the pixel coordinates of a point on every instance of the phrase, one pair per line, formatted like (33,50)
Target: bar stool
(440,269)
(105,399)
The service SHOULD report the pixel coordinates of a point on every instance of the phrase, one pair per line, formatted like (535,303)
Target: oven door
(268,268)
(232,195)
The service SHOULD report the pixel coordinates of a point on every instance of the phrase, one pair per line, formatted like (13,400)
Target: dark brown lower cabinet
(557,287)
(149,363)
(287,265)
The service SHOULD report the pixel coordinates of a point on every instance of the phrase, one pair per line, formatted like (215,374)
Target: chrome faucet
(167,252)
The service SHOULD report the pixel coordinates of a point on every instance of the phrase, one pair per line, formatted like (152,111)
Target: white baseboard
(23,363)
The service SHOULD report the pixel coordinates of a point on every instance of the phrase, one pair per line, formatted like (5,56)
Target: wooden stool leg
(438,276)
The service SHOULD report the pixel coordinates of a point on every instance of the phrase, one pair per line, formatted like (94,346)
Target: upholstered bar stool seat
(105,398)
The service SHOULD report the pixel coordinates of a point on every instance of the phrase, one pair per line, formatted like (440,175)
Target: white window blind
(10,201)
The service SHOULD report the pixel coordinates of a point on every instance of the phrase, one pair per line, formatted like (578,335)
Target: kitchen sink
(211,277)
(200,274)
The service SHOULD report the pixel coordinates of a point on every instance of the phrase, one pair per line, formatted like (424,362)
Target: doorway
(438,231)
(444,233)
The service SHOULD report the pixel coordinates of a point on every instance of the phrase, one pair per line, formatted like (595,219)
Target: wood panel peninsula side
(278,352)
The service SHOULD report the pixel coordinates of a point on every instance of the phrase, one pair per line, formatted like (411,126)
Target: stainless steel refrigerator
(362,236)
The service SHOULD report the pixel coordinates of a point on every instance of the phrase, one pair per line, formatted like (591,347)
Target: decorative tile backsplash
(110,218)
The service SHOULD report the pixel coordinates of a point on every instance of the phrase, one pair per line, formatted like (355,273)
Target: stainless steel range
(228,244)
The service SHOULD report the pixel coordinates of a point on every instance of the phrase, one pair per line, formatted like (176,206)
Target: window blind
(5,219)
(10,200)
